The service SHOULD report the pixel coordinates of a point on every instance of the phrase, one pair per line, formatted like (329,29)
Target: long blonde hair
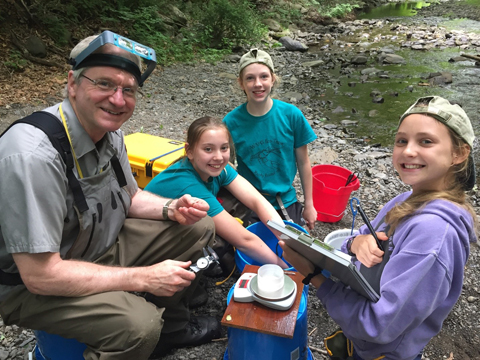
(454,191)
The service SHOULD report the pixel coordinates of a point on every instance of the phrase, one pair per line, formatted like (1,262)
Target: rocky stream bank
(174,96)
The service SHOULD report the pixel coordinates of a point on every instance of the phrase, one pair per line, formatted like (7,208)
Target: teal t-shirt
(181,178)
(265,148)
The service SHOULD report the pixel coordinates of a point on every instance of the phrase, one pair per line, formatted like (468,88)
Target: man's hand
(366,250)
(168,277)
(188,210)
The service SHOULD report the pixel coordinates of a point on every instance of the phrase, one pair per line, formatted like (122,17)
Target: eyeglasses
(110,88)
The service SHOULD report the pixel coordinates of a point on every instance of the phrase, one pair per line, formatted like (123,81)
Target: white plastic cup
(270,280)
(336,238)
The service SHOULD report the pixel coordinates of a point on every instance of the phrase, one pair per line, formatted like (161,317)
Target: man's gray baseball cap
(255,56)
(452,116)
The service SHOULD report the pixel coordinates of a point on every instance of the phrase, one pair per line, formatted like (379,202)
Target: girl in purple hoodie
(427,232)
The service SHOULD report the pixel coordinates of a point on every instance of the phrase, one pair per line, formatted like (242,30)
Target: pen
(367,222)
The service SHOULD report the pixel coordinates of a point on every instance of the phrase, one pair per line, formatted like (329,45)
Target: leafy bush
(225,23)
(15,61)
(284,12)
(214,26)
(340,10)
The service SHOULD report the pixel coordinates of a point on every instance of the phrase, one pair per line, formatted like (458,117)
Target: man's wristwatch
(165,210)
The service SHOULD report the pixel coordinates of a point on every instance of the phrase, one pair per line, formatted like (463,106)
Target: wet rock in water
(457,59)
(440,78)
(387,50)
(292,45)
(359,60)
(391,59)
(369,71)
(417,47)
(348,123)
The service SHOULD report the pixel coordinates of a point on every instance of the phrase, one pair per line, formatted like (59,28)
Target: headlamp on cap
(88,58)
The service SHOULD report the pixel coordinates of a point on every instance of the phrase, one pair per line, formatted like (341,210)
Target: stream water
(399,85)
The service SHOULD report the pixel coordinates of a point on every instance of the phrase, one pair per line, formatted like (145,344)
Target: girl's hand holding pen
(366,249)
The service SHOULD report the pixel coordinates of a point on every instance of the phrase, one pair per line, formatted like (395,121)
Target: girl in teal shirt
(202,172)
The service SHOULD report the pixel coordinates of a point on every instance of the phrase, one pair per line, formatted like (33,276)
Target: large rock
(359,60)
(272,25)
(36,47)
(391,59)
(292,45)
(440,78)
(176,15)
(172,20)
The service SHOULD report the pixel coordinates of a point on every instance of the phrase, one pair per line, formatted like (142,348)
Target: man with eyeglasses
(105,266)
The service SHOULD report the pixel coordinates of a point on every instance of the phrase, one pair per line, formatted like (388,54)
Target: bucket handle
(343,212)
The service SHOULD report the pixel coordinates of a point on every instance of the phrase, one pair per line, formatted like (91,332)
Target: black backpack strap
(11,279)
(55,131)
(117,168)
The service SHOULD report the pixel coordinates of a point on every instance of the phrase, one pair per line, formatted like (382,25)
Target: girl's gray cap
(255,56)
(452,116)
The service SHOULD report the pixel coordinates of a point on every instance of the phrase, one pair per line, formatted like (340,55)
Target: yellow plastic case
(149,155)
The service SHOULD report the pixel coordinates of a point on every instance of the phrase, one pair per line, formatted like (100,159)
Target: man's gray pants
(119,325)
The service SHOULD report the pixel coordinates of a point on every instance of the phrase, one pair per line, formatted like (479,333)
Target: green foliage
(56,29)
(214,26)
(223,24)
(340,10)
(284,12)
(15,61)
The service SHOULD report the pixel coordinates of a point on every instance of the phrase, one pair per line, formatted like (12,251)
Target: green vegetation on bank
(178,30)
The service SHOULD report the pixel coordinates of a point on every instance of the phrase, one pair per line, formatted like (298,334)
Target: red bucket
(330,195)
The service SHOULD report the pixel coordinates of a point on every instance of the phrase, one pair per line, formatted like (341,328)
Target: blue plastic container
(55,347)
(264,233)
(247,345)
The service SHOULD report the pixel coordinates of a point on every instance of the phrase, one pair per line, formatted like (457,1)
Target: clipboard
(326,257)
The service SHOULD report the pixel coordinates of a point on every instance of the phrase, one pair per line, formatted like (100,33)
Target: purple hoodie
(419,286)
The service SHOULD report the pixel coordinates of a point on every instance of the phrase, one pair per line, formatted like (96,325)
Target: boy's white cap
(255,56)
(452,116)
